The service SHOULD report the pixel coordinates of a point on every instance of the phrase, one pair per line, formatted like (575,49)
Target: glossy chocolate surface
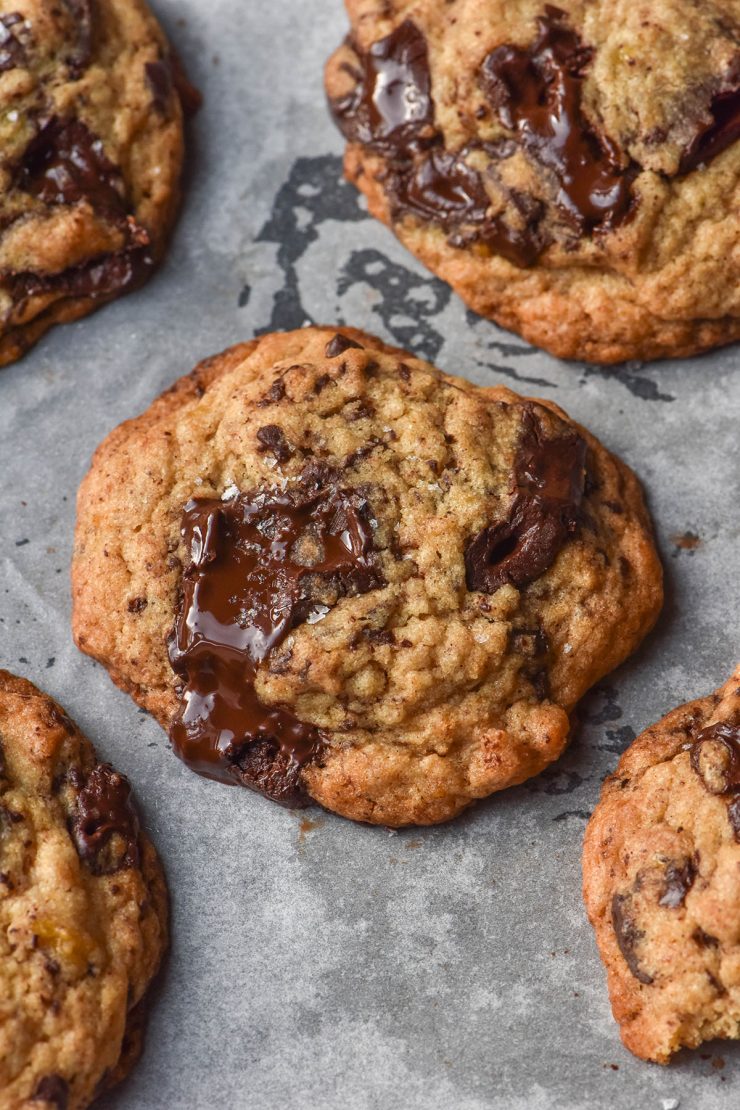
(550,478)
(261,565)
(679,878)
(537,92)
(715,756)
(105,809)
(65,163)
(391,104)
(717,136)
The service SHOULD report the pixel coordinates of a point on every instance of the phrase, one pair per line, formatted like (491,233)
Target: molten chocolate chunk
(54,1090)
(81,17)
(65,163)
(443,189)
(549,476)
(722,132)
(391,107)
(105,809)
(536,91)
(12,51)
(159,76)
(339,344)
(628,936)
(114,273)
(261,565)
(679,879)
(715,756)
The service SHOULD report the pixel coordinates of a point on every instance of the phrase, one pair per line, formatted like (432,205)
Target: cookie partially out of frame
(334,573)
(572,170)
(91,152)
(661,874)
(83,911)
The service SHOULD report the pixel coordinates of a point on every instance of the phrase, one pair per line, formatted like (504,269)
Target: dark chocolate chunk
(114,273)
(54,1090)
(704,940)
(104,811)
(715,756)
(537,92)
(137,604)
(391,109)
(628,936)
(549,478)
(272,438)
(717,136)
(12,50)
(733,815)
(679,878)
(443,189)
(159,76)
(82,20)
(65,163)
(339,344)
(261,565)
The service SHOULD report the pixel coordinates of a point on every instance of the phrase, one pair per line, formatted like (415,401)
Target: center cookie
(333,573)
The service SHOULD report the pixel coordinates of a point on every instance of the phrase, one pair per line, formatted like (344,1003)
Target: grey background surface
(338,966)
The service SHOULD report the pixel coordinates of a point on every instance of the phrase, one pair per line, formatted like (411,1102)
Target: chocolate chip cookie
(334,573)
(83,910)
(661,872)
(573,171)
(91,146)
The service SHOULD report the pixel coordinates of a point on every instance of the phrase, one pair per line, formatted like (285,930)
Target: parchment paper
(325,964)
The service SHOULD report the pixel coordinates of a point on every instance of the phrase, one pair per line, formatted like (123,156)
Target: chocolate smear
(549,483)
(54,1090)
(65,163)
(628,936)
(715,756)
(105,810)
(12,51)
(717,136)
(679,878)
(261,565)
(537,92)
(391,109)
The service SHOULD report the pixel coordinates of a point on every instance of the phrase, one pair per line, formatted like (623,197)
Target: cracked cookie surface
(83,911)
(661,873)
(91,152)
(337,574)
(573,171)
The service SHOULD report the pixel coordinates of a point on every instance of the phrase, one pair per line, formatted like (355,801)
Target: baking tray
(317,963)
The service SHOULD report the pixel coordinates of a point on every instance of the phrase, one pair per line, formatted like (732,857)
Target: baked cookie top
(91,149)
(83,910)
(661,875)
(333,572)
(572,170)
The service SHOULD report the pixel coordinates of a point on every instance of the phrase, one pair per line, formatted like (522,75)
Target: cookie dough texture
(91,151)
(654,80)
(430,693)
(83,912)
(661,872)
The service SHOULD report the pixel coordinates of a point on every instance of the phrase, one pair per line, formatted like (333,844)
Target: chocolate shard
(12,49)
(628,936)
(272,439)
(159,77)
(339,344)
(105,826)
(65,163)
(715,757)
(391,109)
(717,136)
(679,878)
(260,565)
(537,93)
(54,1090)
(549,479)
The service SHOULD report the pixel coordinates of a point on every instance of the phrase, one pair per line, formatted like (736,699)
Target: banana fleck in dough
(83,911)
(573,171)
(334,573)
